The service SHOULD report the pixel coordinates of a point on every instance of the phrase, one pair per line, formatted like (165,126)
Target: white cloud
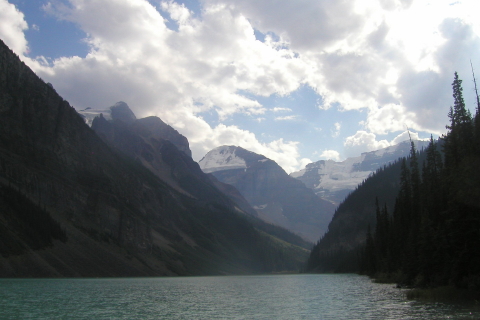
(175,75)
(178,12)
(363,141)
(303,23)
(389,118)
(279,109)
(330,155)
(404,136)
(286,118)
(203,138)
(284,153)
(394,59)
(376,55)
(12,26)
(303,163)
(207,61)
(336,132)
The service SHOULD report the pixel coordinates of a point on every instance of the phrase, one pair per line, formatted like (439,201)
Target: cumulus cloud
(12,26)
(303,23)
(284,153)
(363,141)
(206,63)
(392,59)
(406,135)
(391,55)
(176,74)
(389,118)
(330,155)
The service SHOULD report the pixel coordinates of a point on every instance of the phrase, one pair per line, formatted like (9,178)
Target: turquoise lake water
(345,296)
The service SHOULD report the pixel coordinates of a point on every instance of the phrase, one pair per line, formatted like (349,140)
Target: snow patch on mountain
(333,180)
(390,149)
(222,158)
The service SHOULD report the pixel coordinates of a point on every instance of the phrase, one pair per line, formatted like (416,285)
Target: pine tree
(381,238)
(434,236)
(458,142)
(477,115)
(403,205)
(433,199)
(369,256)
(415,185)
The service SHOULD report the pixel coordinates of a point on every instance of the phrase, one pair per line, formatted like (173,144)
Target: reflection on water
(228,297)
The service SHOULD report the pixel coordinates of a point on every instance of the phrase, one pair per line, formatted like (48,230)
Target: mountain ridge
(119,218)
(277,197)
(333,181)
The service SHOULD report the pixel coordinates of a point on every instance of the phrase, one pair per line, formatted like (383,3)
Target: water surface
(345,296)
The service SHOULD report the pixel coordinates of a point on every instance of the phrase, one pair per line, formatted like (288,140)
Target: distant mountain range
(276,197)
(333,181)
(269,190)
(123,198)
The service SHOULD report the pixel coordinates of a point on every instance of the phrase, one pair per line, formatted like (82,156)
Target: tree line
(432,237)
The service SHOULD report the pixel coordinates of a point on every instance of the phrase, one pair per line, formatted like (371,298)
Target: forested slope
(429,233)
(432,238)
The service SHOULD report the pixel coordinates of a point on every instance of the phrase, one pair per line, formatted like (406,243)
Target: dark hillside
(337,250)
(119,219)
(430,237)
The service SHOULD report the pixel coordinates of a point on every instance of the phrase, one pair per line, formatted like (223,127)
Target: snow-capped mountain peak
(222,158)
(334,180)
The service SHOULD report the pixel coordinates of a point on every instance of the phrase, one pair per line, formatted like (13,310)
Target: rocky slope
(277,197)
(120,116)
(104,213)
(333,181)
(147,141)
(155,145)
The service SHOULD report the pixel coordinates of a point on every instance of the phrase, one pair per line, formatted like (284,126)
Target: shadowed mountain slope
(147,141)
(105,214)
(277,197)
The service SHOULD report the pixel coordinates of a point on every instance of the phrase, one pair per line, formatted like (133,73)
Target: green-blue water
(228,297)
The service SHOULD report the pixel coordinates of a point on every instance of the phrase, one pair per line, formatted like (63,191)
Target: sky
(295,80)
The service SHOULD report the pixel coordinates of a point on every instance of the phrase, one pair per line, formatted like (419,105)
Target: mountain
(147,141)
(339,248)
(277,197)
(73,205)
(333,181)
(158,147)
(121,115)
